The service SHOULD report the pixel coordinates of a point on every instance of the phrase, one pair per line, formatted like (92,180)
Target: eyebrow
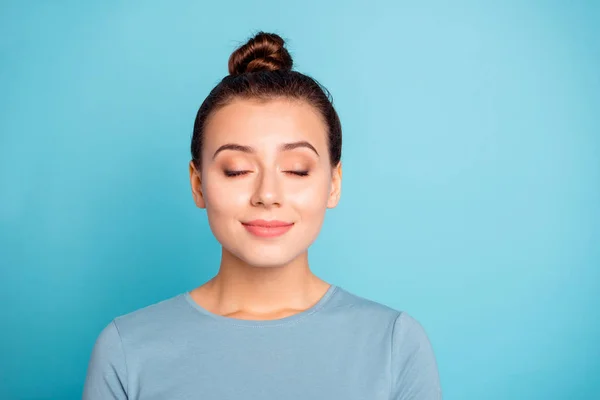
(248,149)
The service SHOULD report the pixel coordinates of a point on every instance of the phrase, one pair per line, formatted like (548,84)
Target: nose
(267,192)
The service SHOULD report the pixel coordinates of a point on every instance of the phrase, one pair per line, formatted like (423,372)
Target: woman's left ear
(336,186)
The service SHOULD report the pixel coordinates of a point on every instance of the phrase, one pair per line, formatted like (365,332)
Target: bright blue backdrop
(471,193)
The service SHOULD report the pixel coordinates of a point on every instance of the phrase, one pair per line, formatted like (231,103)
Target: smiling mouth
(267,228)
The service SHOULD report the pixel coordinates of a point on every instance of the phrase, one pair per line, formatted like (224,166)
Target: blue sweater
(344,347)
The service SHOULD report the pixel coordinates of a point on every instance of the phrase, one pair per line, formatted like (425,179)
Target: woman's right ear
(196,183)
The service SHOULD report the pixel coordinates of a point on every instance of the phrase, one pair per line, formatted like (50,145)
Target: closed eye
(299,173)
(235,173)
(239,173)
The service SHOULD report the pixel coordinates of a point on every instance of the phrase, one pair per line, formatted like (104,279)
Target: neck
(244,290)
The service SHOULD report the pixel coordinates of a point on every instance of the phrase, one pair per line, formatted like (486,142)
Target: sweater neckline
(264,323)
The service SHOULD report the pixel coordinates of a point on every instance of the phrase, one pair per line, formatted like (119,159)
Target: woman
(266,152)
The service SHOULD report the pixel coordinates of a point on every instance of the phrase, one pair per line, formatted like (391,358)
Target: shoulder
(155,317)
(408,329)
(361,306)
(414,367)
(152,314)
(362,315)
(403,324)
(108,343)
(107,367)
(413,364)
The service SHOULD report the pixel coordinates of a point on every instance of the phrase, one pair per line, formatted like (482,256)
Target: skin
(264,278)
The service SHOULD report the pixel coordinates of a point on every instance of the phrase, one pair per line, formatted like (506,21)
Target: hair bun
(263,52)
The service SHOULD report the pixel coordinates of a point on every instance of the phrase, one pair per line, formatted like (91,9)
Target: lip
(264,228)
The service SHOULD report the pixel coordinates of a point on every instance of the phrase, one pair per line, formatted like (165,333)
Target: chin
(268,261)
(265,257)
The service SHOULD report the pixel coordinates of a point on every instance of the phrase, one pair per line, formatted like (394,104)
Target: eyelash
(233,174)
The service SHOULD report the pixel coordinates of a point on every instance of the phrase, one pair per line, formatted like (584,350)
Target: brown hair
(262,69)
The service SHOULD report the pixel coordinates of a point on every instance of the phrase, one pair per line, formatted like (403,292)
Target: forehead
(265,124)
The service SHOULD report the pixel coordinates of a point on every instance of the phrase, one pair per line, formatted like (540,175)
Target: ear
(336,186)
(196,182)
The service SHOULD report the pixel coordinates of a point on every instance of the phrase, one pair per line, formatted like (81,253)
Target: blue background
(471,193)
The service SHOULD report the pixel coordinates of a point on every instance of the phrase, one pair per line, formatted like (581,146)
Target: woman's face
(266,161)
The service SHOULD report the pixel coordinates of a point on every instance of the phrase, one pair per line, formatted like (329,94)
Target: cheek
(312,199)
(224,199)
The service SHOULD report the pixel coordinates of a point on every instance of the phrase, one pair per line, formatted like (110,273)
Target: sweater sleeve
(414,368)
(107,372)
